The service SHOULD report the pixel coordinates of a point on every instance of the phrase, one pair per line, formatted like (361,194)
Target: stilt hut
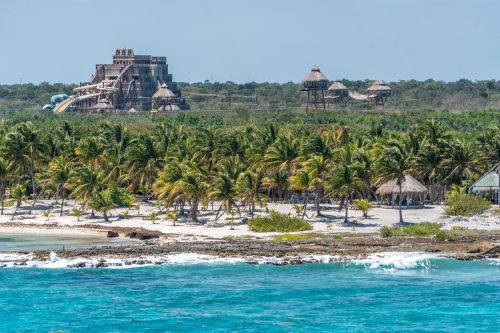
(165,100)
(412,190)
(488,185)
(378,93)
(337,93)
(315,83)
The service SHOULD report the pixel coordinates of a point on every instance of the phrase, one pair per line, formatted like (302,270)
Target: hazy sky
(258,40)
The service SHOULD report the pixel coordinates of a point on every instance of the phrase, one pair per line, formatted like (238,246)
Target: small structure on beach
(412,190)
(488,185)
(378,93)
(315,83)
(338,93)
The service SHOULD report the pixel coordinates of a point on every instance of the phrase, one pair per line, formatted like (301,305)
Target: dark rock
(142,235)
(112,234)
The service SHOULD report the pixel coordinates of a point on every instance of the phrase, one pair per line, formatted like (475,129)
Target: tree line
(228,170)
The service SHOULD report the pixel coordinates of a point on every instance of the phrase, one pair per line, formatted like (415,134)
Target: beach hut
(378,92)
(488,184)
(338,93)
(315,83)
(412,190)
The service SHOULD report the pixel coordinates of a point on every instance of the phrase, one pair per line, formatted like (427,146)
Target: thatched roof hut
(164,93)
(409,186)
(337,85)
(378,87)
(315,79)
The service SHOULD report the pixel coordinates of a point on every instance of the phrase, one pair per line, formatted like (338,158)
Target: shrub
(465,204)
(424,229)
(362,205)
(444,235)
(277,222)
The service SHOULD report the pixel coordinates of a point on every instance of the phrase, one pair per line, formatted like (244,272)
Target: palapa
(409,186)
(315,75)
(164,93)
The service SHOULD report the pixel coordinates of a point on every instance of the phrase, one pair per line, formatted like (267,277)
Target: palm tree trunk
(2,193)
(400,203)
(193,213)
(346,203)
(62,202)
(318,199)
(306,198)
(106,218)
(33,188)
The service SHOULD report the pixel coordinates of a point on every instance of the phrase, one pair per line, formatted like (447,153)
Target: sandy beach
(209,229)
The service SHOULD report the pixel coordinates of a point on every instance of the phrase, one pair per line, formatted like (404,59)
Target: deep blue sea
(433,295)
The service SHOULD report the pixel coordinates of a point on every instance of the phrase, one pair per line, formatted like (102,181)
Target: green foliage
(443,235)
(277,222)
(77,212)
(363,205)
(294,237)
(465,204)
(121,197)
(424,229)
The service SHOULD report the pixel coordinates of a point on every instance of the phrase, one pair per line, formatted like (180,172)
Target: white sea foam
(385,260)
(390,261)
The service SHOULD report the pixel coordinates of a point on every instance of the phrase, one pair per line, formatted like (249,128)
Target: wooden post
(323,98)
(307,102)
(498,189)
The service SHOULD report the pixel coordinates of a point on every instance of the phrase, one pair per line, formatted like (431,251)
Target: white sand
(331,222)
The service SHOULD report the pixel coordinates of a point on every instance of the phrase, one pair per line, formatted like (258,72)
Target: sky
(258,40)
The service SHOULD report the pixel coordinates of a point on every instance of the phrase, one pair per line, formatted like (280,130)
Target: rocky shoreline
(155,251)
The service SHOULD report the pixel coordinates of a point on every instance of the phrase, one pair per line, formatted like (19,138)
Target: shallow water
(30,241)
(382,294)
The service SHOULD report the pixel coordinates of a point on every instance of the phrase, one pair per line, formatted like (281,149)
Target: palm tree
(319,166)
(192,187)
(225,191)
(303,180)
(249,187)
(17,196)
(83,183)
(143,162)
(91,150)
(103,202)
(59,174)
(461,161)
(282,153)
(343,182)
(276,183)
(394,163)
(4,175)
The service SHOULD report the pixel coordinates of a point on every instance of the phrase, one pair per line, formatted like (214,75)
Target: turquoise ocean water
(434,295)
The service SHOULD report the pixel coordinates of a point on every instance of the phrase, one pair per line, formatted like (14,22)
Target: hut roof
(337,85)
(409,185)
(379,83)
(378,87)
(315,75)
(164,92)
(488,182)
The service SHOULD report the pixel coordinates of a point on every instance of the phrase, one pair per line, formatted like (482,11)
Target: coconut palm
(4,175)
(103,202)
(343,182)
(276,183)
(319,166)
(249,187)
(305,181)
(91,150)
(59,174)
(394,163)
(282,154)
(83,183)
(143,162)
(225,191)
(17,196)
(461,161)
